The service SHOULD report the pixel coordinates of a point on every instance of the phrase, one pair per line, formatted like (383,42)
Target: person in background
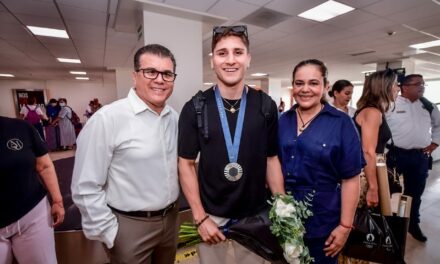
(89,110)
(320,153)
(231,180)
(27,174)
(52,132)
(341,91)
(415,125)
(67,130)
(379,92)
(32,113)
(125,175)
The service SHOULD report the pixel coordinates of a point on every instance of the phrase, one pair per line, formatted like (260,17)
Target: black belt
(162,212)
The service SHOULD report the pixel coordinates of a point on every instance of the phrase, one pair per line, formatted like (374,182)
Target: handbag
(373,237)
(393,176)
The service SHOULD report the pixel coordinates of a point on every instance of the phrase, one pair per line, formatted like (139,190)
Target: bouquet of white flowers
(287,216)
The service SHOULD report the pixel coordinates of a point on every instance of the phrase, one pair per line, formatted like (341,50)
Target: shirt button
(288,174)
(324,145)
(292,157)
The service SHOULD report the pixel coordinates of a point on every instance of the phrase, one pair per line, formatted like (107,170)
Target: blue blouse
(326,152)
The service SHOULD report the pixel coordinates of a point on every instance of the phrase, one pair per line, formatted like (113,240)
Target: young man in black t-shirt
(238,154)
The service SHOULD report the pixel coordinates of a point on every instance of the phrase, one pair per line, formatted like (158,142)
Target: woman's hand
(372,197)
(336,241)
(57,211)
(210,233)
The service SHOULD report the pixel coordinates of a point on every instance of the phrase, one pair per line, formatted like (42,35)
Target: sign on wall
(21,96)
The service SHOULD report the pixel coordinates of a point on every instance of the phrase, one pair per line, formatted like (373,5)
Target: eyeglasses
(153,73)
(416,84)
(240,29)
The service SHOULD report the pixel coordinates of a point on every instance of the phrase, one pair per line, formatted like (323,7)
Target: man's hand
(429,149)
(210,233)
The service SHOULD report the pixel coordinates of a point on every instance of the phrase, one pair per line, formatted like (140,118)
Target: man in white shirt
(415,125)
(125,175)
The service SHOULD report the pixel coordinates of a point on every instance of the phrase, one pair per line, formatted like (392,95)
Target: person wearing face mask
(67,131)
(320,153)
(341,92)
(233,171)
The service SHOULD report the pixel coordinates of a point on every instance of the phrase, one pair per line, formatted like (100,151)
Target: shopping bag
(373,239)
(365,240)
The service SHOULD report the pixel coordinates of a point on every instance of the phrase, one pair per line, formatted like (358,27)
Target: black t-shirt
(220,196)
(20,187)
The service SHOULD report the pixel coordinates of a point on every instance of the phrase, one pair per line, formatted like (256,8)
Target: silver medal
(233,171)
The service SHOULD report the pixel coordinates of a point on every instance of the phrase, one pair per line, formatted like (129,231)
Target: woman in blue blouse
(320,151)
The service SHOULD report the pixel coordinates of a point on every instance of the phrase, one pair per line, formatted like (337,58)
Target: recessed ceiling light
(251,85)
(425,45)
(357,82)
(369,71)
(259,74)
(210,54)
(48,32)
(208,83)
(82,78)
(289,87)
(68,60)
(78,72)
(326,11)
(6,75)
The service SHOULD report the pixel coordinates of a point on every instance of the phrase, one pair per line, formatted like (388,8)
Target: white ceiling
(103,34)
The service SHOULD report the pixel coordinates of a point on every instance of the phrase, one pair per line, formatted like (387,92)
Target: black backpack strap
(199,102)
(427,104)
(266,104)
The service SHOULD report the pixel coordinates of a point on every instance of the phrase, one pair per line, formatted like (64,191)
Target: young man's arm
(274,176)
(208,230)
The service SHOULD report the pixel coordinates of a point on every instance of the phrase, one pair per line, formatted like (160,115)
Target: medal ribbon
(232,147)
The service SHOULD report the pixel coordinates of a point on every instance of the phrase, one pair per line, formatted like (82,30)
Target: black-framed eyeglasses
(239,29)
(416,84)
(153,73)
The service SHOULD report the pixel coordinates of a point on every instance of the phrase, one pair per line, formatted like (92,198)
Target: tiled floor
(416,252)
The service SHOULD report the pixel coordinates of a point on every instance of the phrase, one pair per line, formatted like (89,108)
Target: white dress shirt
(411,124)
(126,157)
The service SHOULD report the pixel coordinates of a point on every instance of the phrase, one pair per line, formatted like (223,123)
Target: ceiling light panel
(48,32)
(66,60)
(426,45)
(326,11)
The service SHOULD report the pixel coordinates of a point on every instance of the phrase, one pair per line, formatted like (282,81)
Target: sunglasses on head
(240,29)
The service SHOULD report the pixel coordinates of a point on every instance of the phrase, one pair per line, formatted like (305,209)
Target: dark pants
(413,164)
(316,248)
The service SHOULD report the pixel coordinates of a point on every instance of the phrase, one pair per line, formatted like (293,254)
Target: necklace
(232,108)
(305,124)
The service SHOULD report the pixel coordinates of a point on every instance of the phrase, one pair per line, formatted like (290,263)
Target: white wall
(77,93)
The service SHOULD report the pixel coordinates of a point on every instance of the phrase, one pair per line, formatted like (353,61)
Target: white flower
(292,250)
(284,210)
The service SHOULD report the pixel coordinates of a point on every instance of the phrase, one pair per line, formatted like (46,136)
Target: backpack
(427,104)
(32,116)
(75,119)
(199,103)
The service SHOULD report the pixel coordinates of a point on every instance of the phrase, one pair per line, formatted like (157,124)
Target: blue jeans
(413,165)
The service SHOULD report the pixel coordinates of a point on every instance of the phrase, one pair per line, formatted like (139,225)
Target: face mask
(62,104)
